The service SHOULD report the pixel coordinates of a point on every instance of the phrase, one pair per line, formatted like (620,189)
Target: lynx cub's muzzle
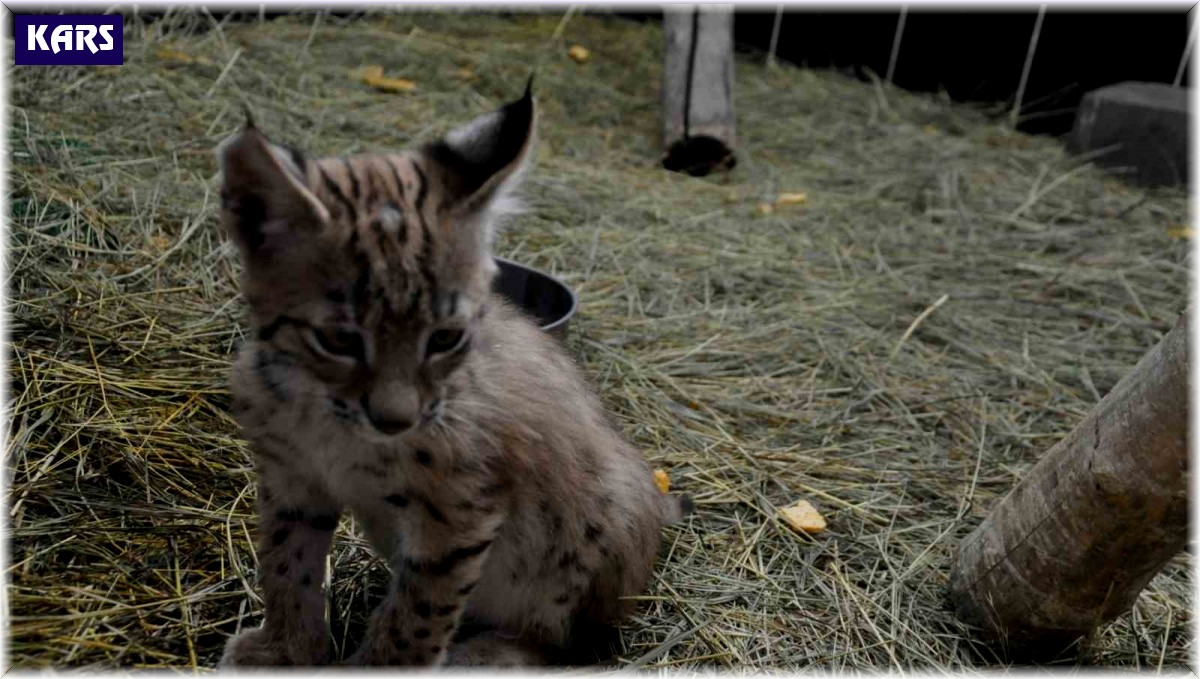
(392,408)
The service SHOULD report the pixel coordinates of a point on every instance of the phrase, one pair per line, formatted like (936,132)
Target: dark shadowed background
(977,56)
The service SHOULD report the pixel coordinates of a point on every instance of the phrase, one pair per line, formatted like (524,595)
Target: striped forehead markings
(381,282)
(355,191)
(332,187)
(423,190)
(394,221)
(390,162)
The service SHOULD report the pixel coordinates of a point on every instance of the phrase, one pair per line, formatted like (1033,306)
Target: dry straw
(760,356)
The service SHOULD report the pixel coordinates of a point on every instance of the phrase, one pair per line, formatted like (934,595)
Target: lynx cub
(384,378)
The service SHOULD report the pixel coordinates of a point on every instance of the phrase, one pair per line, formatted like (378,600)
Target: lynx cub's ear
(263,195)
(479,163)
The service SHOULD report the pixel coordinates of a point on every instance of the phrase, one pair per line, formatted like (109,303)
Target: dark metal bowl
(542,296)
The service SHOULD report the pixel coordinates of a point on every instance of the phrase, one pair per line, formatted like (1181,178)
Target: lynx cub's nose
(392,408)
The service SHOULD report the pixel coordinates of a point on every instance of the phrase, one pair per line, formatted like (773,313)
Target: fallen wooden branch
(1072,545)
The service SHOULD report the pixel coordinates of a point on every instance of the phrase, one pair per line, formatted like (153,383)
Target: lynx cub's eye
(338,342)
(443,340)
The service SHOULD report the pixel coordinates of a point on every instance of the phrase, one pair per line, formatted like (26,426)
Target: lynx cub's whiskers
(386,380)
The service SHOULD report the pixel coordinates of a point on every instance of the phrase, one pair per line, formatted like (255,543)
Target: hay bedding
(760,356)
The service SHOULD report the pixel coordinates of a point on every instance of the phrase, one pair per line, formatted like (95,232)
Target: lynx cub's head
(367,276)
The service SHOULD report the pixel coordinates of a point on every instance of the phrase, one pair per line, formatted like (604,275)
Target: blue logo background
(33,52)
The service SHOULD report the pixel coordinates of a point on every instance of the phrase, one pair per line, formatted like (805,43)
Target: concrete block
(1138,128)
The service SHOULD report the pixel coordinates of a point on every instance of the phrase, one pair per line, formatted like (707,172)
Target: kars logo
(69,40)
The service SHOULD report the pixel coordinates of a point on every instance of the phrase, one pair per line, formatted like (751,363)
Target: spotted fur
(384,378)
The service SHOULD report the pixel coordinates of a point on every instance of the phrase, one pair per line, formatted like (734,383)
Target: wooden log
(697,90)
(1072,545)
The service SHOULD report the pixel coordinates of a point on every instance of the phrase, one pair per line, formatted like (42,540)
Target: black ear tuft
(249,124)
(529,86)
(488,149)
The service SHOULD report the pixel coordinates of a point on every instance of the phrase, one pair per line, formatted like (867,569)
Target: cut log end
(699,156)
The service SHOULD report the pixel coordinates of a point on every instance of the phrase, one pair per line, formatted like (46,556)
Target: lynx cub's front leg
(434,568)
(296,530)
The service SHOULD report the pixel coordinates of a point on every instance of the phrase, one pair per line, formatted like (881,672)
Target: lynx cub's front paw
(256,648)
